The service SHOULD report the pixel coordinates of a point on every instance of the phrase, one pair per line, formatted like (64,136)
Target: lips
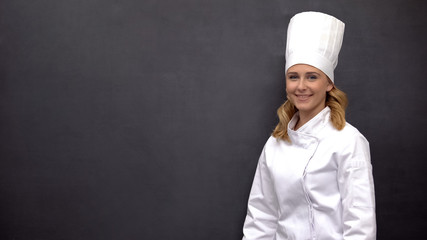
(302,97)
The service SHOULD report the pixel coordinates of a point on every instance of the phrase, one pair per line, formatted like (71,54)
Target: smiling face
(306,87)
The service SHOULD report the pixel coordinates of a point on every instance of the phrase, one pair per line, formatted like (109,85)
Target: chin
(301,107)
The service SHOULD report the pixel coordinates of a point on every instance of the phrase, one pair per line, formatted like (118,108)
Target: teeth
(302,97)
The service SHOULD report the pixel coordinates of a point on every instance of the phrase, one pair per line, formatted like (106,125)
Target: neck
(301,121)
(304,117)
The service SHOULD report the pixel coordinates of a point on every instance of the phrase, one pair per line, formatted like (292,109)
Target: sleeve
(357,191)
(262,215)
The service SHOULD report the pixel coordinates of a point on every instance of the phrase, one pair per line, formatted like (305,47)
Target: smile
(303,97)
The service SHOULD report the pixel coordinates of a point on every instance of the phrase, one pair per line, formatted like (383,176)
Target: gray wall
(145,119)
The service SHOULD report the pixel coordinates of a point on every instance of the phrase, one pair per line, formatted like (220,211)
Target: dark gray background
(145,119)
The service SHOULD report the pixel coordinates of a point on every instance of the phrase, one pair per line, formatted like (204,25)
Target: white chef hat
(315,39)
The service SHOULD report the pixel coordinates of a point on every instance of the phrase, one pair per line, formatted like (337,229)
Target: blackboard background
(145,119)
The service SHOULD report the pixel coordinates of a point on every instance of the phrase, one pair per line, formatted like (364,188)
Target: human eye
(312,77)
(293,77)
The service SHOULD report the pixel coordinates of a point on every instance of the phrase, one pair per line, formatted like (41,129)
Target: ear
(330,86)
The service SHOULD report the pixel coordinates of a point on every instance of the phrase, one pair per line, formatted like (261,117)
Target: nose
(301,85)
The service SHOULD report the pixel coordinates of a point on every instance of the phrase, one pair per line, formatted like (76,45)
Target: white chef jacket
(318,186)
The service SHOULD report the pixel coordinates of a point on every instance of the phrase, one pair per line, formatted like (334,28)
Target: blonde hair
(336,100)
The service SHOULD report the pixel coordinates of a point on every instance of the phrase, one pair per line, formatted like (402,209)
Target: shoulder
(348,134)
(353,134)
(346,141)
(274,144)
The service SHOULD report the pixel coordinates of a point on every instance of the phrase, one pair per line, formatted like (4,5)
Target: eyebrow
(307,73)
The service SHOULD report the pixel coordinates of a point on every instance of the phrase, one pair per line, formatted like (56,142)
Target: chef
(314,176)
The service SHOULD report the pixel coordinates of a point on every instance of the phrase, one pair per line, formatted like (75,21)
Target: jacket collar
(309,129)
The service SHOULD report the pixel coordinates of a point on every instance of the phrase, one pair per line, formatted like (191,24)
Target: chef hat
(315,39)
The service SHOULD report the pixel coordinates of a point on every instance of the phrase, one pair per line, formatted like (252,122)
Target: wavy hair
(336,100)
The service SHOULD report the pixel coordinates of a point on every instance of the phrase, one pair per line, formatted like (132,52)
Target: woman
(314,176)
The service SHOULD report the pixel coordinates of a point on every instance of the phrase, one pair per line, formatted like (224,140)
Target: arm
(262,216)
(357,191)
